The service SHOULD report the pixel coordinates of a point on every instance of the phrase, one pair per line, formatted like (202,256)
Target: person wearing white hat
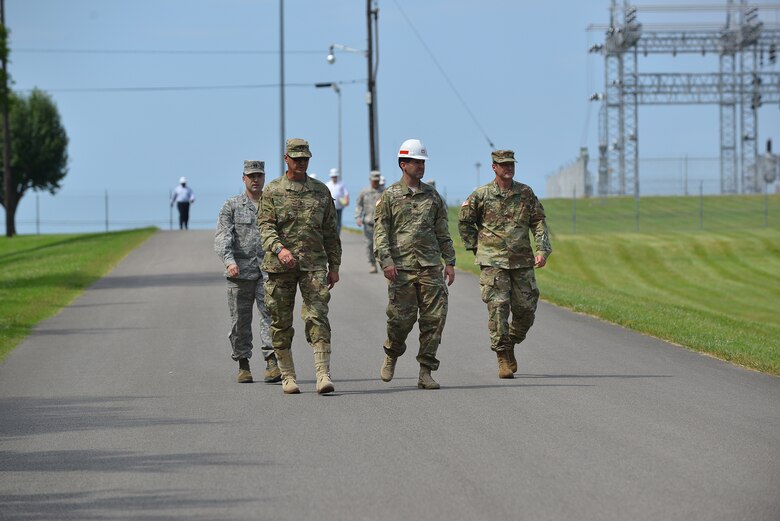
(340,195)
(183,196)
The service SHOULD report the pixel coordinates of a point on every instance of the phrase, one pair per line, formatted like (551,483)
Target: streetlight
(372,52)
(337,90)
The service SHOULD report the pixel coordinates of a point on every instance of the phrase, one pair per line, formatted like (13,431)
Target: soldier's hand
(449,274)
(333,278)
(360,222)
(286,258)
(390,273)
(540,261)
(232,270)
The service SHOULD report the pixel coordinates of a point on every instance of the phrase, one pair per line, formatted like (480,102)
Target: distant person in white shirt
(183,197)
(339,194)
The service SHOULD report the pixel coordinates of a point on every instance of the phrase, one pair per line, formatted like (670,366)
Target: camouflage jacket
(410,229)
(366,201)
(237,240)
(299,216)
(496,226)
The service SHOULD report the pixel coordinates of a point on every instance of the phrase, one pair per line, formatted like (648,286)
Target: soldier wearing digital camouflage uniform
(237,243)
(364,214)
(297,224)
(410,240)
(494,223)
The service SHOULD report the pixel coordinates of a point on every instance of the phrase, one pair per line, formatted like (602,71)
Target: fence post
(106,211)
(574,211)
(701,205)
(766,205)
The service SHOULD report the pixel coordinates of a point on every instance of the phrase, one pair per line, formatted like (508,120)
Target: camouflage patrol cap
(503,156)
(375,175)
(254,167)
(297,148)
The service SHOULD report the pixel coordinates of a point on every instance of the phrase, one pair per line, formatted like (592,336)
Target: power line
(152,51)
(441,70)
(187,87)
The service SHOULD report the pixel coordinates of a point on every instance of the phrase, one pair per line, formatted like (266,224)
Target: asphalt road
(125,406)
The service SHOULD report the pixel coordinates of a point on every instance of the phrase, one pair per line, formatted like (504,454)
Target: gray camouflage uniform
(237,241)
(364,211)
(411,233)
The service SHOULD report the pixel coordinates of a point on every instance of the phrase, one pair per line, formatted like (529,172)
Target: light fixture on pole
(372,57)
(337,90)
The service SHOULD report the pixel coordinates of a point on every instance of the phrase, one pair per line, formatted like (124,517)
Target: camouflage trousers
(504,291)
(280,290)
(420,290)
(368,233)
(242,296)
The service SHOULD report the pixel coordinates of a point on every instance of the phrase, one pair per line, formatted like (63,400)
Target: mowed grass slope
(40,274)
(714,290)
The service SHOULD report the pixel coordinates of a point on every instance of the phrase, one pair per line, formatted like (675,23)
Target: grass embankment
(40,274)
(713,289)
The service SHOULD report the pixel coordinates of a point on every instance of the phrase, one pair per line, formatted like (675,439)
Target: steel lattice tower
(739,88)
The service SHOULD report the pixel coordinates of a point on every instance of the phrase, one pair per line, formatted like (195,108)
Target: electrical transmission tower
(746,48)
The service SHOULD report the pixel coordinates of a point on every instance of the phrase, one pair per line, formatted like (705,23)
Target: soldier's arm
(539,227)
(468,219)
(266,223)
(223,238)
(443,233)
(382,216)
(330,237)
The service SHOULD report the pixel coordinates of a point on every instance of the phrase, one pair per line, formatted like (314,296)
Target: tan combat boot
(504,364)
(272,372)
(322,368)
(388,369)
(512,359)
(244,374)
(287,368)
(373,269)
(426,381)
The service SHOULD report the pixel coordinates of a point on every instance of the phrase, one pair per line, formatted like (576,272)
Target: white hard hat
(182,180)
(334,172)
(413,148)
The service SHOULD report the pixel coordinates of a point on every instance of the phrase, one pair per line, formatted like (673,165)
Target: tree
(39,149)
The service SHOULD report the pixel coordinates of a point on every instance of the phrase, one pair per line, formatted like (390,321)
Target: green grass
(40,274)
(713,290)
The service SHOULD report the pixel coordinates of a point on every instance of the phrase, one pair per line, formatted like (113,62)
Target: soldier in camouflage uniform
(237,243)
(494,223)
(364,214)
(410,240)
(297,224)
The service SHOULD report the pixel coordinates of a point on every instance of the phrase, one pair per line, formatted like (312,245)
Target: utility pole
(8,185)
(373,134)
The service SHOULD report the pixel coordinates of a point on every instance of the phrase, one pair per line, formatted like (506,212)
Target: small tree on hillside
(39,148)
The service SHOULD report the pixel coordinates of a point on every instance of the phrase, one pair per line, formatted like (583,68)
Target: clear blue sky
(521,67)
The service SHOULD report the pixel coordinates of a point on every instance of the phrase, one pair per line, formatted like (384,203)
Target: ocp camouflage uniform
(411,233)
(237,241)
(495,225)
(299,216)
(364,211)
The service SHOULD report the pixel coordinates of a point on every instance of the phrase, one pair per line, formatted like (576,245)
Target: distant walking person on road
(494,223)
(237,243)
(297,223)
(364,214)
(183,197)
(339,193)
(410,240)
